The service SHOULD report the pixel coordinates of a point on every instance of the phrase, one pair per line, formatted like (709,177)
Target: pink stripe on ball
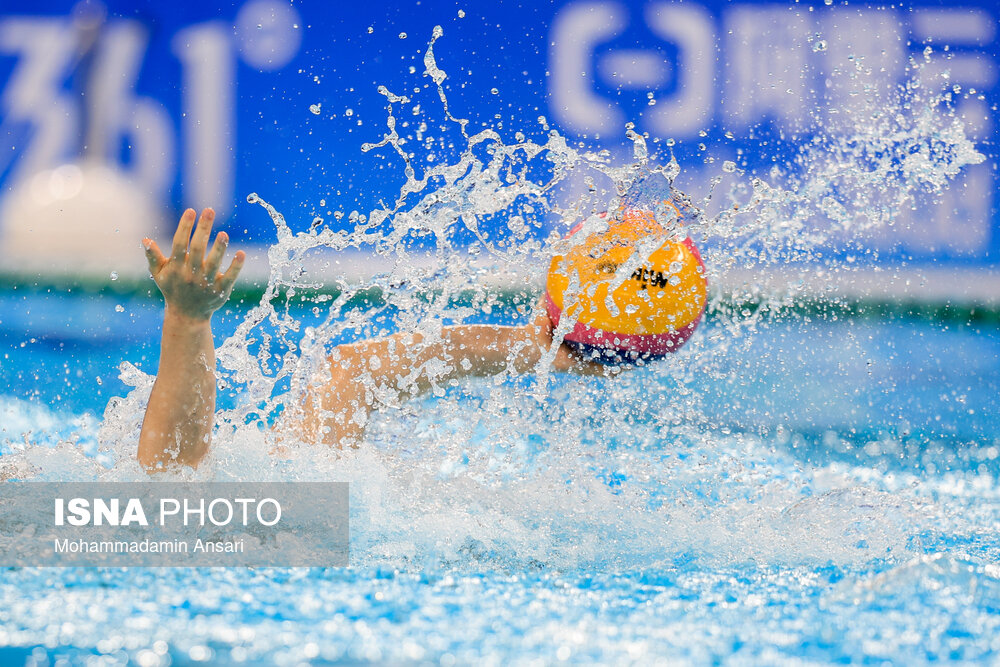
(651,344)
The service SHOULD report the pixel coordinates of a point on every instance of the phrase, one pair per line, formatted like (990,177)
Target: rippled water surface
(832,496)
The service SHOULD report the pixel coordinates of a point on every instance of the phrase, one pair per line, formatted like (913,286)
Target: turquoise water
(801,491)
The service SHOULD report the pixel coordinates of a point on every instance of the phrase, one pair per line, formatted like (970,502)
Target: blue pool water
(805,491)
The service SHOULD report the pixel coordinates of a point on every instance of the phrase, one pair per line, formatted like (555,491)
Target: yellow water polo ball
(622,316)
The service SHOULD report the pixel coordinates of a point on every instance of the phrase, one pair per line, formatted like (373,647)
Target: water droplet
(114,275)
(322,202)
(371,30)
(349,112)
(315,109)
(820,45)
(494,91)
(670,142)
(99,380)
(119,308)
(827,2)
(461,13)
(729,166)
(252,198)
(402,35)
(674,280)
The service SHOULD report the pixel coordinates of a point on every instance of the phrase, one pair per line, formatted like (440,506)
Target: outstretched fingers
(182,236)
(228,279)
(153,256)
(199,242)
(214,259)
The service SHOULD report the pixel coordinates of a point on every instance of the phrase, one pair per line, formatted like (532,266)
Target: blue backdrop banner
(202,103)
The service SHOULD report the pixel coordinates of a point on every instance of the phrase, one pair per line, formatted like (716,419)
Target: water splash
(515,472)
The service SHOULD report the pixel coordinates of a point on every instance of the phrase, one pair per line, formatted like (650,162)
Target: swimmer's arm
(178,422)
(367,374)
(177,427)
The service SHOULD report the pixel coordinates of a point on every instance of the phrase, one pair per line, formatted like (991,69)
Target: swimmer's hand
(566,360)
(177,428)
(190,282)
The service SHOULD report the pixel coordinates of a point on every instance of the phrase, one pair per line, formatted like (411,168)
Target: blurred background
(116,115)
